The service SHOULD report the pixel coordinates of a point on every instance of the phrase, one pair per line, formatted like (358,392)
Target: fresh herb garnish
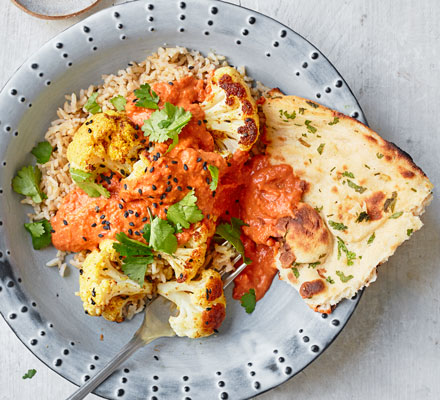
(27,182)
(320,148)
(137,257)
(148,98)
(344,278)
(335,121)
(92,106)
(301,110)
(85,181)
(349,254)
(371,238)
(185,212)
(166,124)
(231,232)
(248,301)
(42,152)
(161,236)
(363,216)
(30,374)
(40,233)
(348,174)
(214,175)
(286,115)
(315,264)
(390,203)
(357,188)
(330,280)
(339,226)
(310,128)
(319,209)
(314,105)
(295,272)
(119,102)
(409,232)
(379,155)
(395,215)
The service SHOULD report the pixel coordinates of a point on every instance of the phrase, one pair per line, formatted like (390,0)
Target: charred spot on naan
(375,204)
(311,288)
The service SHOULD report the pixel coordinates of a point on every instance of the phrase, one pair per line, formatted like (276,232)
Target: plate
(252,353)
(55,9)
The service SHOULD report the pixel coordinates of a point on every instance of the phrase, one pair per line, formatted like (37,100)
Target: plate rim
(358,295)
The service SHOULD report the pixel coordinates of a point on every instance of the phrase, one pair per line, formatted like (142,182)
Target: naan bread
(369,193)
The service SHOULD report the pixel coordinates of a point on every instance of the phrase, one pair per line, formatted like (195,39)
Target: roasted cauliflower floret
(201,304)
(104,289)
(108,139)
(189,257)
(230,112)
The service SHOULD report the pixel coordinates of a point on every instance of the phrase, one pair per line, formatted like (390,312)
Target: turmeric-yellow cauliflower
(106,139)
(231,113)
(104,289)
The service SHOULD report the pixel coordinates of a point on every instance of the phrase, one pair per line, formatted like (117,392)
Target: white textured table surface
(389,54)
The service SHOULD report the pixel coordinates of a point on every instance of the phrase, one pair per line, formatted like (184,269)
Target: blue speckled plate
(252,353)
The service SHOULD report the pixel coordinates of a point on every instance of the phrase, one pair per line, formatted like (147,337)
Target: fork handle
(131,347)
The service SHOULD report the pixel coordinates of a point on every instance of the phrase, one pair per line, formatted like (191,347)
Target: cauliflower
(230,112)
(108,139)
(201,304)
(189,257)
(104,289)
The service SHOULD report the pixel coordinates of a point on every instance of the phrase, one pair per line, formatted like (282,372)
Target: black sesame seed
(179,188)
(168,189)
(106,228)
(189,187)
(89,130)
(130,211)
(131,224)
(126,214)
(137,233)
(64,222)
(160,203)
(120,206)
(153,187)
(170,83)
(208,181)
(125,186)
(162,196)
(185,167)
(130,231)
(97,208)
(199,159)
(144,219)
(165,210)
(199,122)
(85,239)
(100,235)
(155,205)
(174,162)
(102,216)
(169,176)
(136,214)
(81,271)
(213,193)
(152,169)
(175,180)
(140,191)
(93,225)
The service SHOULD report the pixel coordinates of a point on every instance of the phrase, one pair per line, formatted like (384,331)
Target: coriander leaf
(248,301)
(339,226)
(129,247)
(395,215)
(335,121)
(342,247)
(30,374)
(232,232)
(42,152)
(344,278)
(315,264)
(147,232)
(301,110)
(390,203)
(310,128)
(147,97)
(85,181)
(286,115)
(162,236)
(357,188)
(295,272)
(136,267)
(348,174)
(214,175)
(92,106)
(40,233)
(371,238)
(185,212)
(119,102)
(319,209)
(409,232)
(166,124)
(320,148)
(379,155)
(330,280)
(363,216)
(27,182)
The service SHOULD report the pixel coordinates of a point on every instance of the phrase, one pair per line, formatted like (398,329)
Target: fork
(154,326)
